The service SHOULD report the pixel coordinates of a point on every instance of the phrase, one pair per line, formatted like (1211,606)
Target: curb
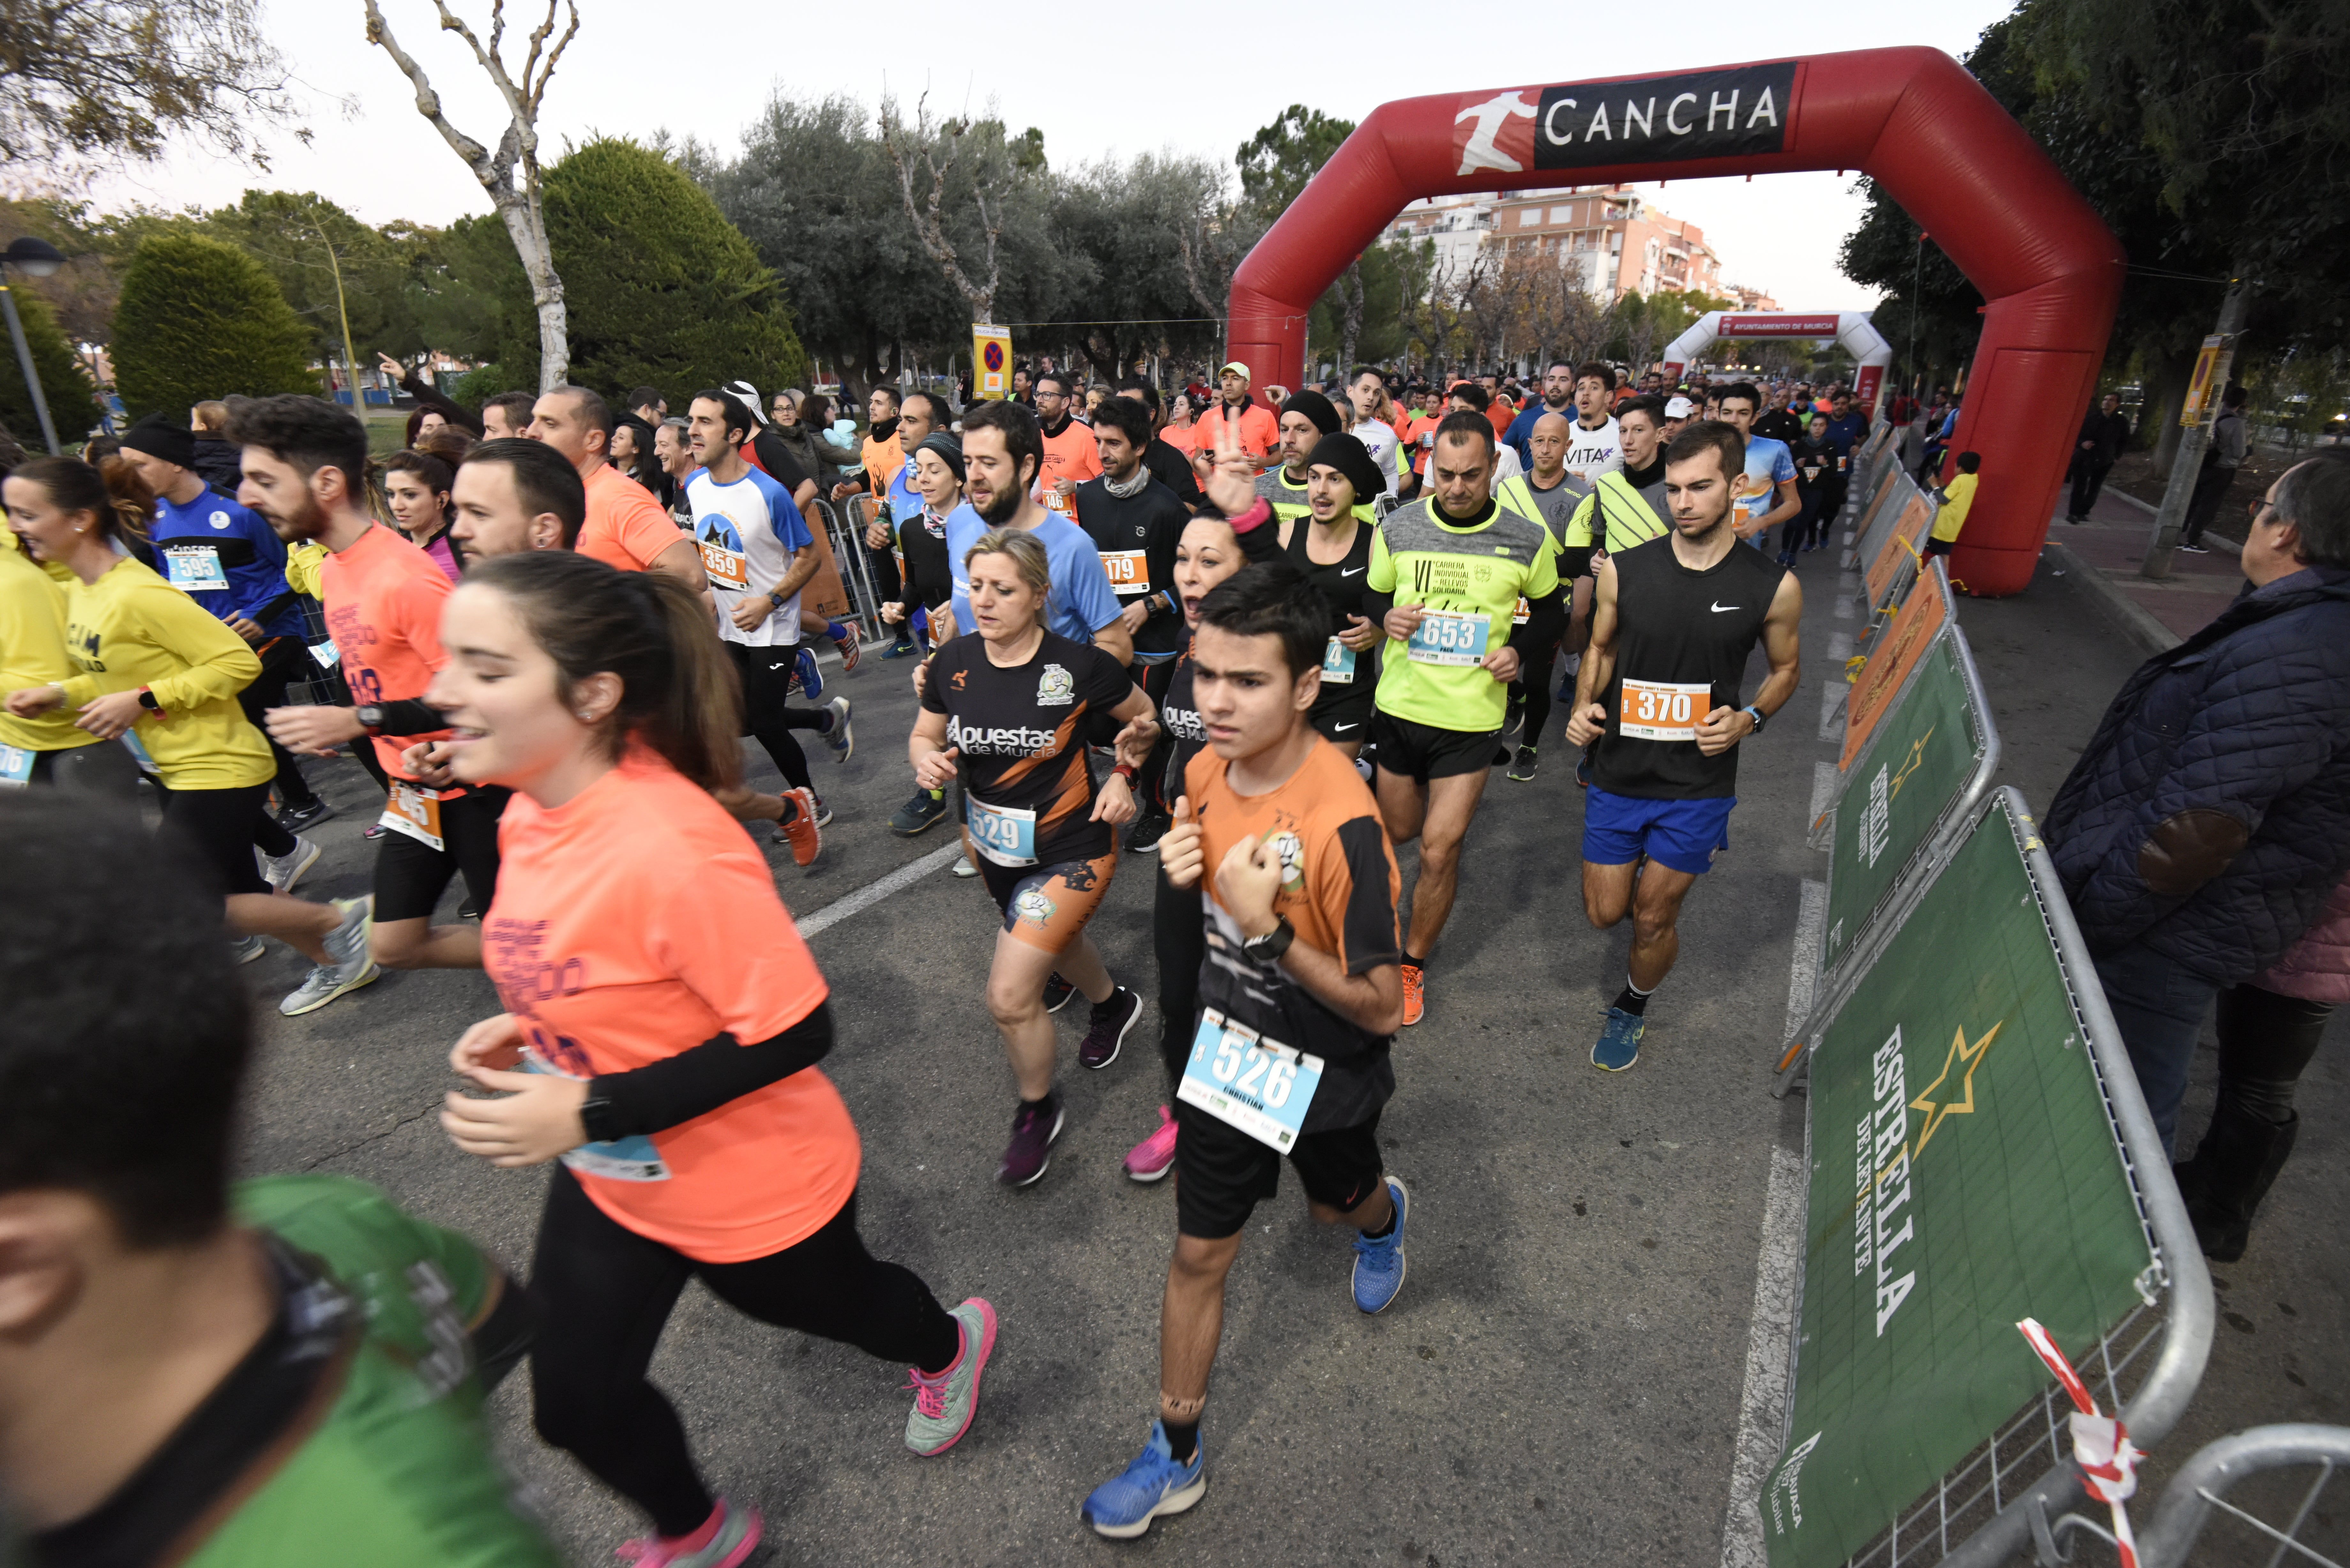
(2124,614)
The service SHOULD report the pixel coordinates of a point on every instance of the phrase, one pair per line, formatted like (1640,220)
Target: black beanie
(950,449)
(1350,457)
(1315,406)
(158,437)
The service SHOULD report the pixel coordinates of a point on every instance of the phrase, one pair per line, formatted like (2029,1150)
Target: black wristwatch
(147,700)
(1756,714)
(370,718)
(1269,947)
(595,1118)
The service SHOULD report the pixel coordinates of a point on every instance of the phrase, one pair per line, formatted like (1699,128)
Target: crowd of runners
(1270,642)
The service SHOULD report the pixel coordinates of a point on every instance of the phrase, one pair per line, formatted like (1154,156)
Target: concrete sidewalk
(2109,549)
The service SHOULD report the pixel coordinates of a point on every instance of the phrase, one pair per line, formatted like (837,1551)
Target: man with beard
(1557,398)
(1002,452)
(1253,421)
(1306,419)
(1070,458)
(304,470)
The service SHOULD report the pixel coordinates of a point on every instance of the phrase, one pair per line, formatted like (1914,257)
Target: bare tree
(922,141)
(520,205)
(1440,316)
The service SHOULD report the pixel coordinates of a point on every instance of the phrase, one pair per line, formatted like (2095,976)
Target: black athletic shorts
(1350,720)
(1222,1173)
(410,875)
(1424,752)
(216,825)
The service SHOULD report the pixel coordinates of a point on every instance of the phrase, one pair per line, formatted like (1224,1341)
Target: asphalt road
(1560,1380)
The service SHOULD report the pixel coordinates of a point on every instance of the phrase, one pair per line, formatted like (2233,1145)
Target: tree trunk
(2164,399)
(526,227)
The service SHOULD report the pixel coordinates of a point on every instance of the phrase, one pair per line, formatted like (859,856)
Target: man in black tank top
(1672,624)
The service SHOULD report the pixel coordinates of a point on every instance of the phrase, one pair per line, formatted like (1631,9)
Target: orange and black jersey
(1021,732)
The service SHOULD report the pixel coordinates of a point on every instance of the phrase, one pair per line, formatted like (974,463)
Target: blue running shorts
(1617,829)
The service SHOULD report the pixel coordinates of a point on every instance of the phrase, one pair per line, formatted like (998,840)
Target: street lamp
(34,258)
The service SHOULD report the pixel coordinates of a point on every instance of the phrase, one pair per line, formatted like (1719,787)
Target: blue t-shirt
(905,501)
(226,559)
(1757,489)
(1082,602)
(1846,432)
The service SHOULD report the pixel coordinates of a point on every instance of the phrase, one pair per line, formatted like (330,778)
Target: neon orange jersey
(384,599)
(1416,427)
(1499,414)
(626,527)
(637,922)
(1184,438)
(1072,455)
(1259,429)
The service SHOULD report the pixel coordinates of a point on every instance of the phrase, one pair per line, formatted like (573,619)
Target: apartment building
(1616,237)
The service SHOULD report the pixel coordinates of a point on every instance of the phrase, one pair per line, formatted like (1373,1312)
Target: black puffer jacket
(2209,816)
(220,463)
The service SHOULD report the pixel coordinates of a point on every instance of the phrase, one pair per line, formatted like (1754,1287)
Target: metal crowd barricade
(2199,1489)
(1921,752)
(1904,517)
(1877,518)
(847,539)
(2024,1179)
(1862,477)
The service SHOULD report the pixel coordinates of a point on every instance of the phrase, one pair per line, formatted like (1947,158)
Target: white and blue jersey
(748,533)
(1082,601)
(1755,492)
(223,556)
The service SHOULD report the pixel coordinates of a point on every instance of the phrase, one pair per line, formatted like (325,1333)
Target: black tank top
(1682,639)
(1182,720)
(1346,584)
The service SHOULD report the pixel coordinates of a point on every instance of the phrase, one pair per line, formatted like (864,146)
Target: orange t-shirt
(1416,427)
(634,922)
(1499,413)
(383,598)
(1073,455)
(1184,438)
(626,527)
(1259,429)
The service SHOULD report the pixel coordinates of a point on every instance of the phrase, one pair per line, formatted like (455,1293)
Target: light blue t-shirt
(1082,602)
(1767,462)
(904,500)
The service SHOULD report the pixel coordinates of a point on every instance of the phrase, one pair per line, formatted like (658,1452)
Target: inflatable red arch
(1912,119)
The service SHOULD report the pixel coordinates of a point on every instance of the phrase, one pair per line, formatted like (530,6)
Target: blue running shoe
(1123,1508)
(1379,1264)
(1618,1045)
(811,679)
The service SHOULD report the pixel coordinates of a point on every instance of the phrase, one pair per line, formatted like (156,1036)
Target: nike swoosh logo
(1357,572)
(1719,609)
(1342,729)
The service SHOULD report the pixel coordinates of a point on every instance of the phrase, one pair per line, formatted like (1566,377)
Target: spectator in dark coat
(2102,435)
(2204,826)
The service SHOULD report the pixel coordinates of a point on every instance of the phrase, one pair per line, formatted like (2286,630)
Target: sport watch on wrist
(1269,947)
(370,718)
(595,1118)
(1755,714)
(147,700)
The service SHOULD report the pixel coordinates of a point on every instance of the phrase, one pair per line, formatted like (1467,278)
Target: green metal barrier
(1979,1152)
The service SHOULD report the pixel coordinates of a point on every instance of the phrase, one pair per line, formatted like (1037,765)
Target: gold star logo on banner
(1917,759)
(1964,1103)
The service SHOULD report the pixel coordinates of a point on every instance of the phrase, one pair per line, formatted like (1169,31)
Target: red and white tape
(2101,1444)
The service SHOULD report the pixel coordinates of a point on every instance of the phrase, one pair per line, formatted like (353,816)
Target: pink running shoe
(1154,1156)
(724,1540)
(945,1402)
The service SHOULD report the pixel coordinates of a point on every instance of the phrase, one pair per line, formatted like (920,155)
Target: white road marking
(872,893)
(1833,692)
(1762,1408)
(1803,972)
(1839,648)
(1823,789)
(1844,606)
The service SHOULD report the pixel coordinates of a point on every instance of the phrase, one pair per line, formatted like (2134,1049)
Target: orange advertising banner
(1920,616)
(1906,539)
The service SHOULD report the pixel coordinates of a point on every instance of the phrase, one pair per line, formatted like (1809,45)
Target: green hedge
(200,320)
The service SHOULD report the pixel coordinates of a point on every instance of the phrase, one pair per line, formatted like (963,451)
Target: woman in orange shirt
(1179,432)
(663,1023)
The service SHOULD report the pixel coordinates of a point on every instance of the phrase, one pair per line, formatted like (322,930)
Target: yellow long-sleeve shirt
(32,652)
(1959,499)
(132,628)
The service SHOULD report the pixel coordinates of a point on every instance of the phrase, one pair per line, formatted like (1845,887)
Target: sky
(1103,84)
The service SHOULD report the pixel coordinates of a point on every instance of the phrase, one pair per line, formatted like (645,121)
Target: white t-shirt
(1591,454)
(1378,437)
(748,533)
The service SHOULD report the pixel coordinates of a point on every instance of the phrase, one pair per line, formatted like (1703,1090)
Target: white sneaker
(964,867)
(349,940)
(282,871)
(247,949)
(327,982)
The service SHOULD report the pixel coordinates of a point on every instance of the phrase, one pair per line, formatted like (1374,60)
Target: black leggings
(1182,942)
(605,1293)
(1156,679)
(282,658)
(2265,1041)
(1530,692)
(767,714)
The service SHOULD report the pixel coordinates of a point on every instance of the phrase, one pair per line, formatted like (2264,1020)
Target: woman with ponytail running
(663,1023)
(157,671)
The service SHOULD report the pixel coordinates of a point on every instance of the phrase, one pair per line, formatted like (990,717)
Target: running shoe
(733,1535)
(349,940)
(945,1402)
(1035,1130)
(1112,1021)
(2196,549)
(811,679)
(282,871)
(1515,719)
(901,651)
(925,811)
(841,737)
(851,643)
(295,818)
(1154,1156)
(374,830)
(1524,768)
(799,828)
(964,867)
(327,982)
(1156,1483)
(1148,829)
(1415,994)
(1058,993)
(823,812)
(1379,1262)
(1618,1045)
(247,950)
